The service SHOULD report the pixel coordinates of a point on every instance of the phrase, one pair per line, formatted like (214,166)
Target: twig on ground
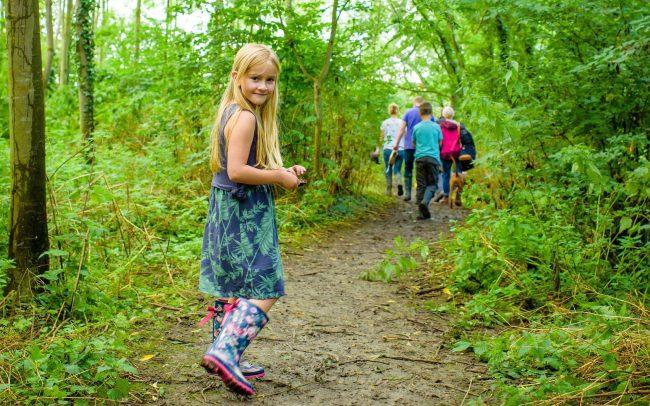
(309,273)
(423,360)
(354,361)
(320,330)
(466,393)
(434,289)
(446,385)
(163,306)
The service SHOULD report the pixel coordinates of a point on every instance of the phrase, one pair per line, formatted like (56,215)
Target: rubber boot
(217,313)
(407,188)
(240,326)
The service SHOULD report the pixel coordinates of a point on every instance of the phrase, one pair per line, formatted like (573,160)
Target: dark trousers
(427,177)
(409,157)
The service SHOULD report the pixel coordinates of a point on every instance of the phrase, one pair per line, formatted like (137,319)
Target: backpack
(450,143)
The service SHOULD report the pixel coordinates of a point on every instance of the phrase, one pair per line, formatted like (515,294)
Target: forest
(540,281)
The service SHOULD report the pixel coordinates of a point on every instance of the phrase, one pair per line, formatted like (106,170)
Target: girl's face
(258,84)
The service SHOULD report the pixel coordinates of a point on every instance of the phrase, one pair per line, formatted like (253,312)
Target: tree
(65,44)
(318,81)
(138,13)
(85,53)
(28,237)
(50,42)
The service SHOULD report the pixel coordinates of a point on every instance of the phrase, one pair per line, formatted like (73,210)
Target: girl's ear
(233,75)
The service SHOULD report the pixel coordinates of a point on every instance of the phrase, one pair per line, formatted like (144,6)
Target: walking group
(441,150)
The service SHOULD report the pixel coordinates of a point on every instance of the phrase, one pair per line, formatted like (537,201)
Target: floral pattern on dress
(240,254)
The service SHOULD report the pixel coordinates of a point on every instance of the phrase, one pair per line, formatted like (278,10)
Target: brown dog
(456,182)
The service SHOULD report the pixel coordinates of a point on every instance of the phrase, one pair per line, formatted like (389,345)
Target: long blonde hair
(267,154)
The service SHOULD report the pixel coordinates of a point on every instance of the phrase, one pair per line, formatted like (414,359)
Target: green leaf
(625,224)
(53,253)
(52,275)
(461,346)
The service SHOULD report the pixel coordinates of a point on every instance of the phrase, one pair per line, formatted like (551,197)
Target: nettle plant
(402,258)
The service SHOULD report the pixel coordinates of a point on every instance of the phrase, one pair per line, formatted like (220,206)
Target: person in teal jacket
(427,138)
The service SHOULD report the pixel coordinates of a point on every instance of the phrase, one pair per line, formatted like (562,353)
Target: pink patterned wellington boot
(216,313)
(240,326)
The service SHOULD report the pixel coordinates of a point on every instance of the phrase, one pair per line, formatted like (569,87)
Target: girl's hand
(287,179)
(297,170)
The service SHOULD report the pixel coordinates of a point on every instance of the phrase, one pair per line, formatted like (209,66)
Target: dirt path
(334,339)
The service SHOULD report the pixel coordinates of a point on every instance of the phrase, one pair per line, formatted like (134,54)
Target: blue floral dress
(241,254)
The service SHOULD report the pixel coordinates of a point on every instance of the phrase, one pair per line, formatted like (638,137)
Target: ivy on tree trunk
(85,53)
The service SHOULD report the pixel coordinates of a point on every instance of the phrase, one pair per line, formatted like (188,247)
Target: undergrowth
(125,238)
(561,268)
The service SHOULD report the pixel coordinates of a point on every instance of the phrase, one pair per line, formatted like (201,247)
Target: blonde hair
(393,109)
(448,112)
(418,100)
(267,153)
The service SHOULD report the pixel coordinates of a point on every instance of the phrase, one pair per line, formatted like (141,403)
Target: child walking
(427,139)
(240,256)
(389,129)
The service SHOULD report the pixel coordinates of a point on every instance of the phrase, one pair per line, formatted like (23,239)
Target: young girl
(241,257)
(389,129)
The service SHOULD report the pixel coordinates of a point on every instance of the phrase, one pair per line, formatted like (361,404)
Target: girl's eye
(255,78)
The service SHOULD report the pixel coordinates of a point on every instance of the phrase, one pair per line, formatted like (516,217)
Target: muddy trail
(334,339)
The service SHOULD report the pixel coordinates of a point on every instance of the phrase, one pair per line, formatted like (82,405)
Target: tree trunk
(65,45)
(138,12)
(59,21)
(85,52)
(50,43)
(28,237)
(95,15)
(318,83)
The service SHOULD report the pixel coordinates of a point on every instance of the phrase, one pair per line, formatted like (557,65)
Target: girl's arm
(402,130)
(239,146)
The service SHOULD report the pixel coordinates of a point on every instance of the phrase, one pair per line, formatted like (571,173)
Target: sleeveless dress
(240,253)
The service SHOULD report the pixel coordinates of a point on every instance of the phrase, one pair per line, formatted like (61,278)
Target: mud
(334,339)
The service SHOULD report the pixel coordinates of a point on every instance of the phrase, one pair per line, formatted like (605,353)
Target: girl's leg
(446,175)
(397,170)
(264,304)
(409,159)
(388,173)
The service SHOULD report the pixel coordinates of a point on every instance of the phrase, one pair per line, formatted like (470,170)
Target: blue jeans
(397,167)
(446,174)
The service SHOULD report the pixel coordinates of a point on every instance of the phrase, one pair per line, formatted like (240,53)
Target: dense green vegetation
(555,253)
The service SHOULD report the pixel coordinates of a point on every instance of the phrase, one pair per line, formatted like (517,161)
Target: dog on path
(456,182)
